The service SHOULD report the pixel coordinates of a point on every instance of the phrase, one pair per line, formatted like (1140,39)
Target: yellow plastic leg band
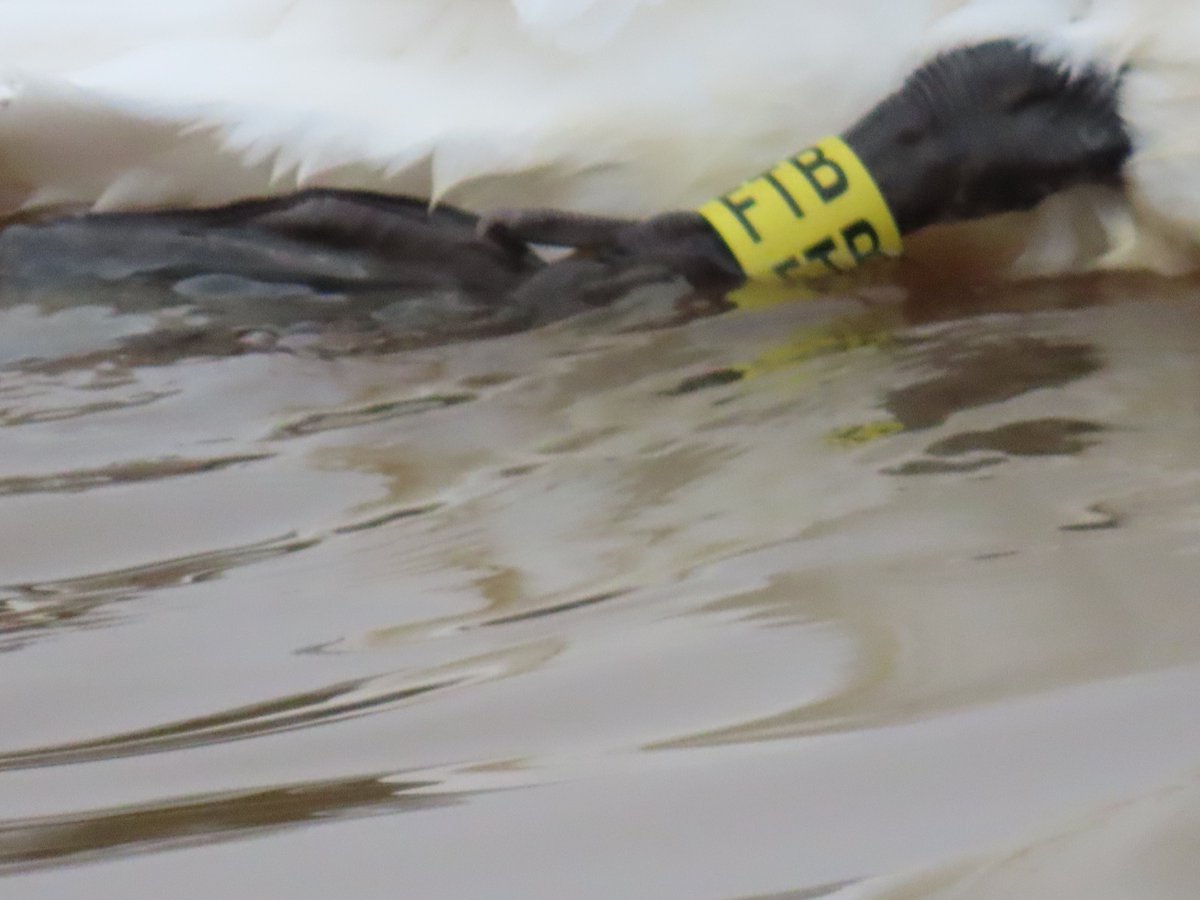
(817,212)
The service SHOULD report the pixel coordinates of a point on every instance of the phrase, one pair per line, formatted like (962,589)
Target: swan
(621,108)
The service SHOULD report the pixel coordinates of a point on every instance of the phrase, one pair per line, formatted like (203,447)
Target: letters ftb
(815,242)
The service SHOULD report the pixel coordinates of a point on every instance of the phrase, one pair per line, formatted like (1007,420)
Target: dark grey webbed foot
(352,261)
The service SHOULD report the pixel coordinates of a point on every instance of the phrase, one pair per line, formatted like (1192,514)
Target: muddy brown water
(856,598)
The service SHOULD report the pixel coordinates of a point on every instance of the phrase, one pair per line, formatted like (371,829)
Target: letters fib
(792,210)
(828,180)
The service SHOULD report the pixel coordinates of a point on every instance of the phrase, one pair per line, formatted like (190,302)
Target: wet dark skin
(976,131)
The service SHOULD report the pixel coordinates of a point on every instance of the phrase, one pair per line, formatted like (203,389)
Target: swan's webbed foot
(356,261)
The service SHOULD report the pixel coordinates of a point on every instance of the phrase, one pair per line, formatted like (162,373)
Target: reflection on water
(854,597)
(970,374)
(126,473)
(35,607)
(287,713)
(201,820)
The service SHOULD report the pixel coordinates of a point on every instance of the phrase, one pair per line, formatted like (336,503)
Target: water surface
(869,596)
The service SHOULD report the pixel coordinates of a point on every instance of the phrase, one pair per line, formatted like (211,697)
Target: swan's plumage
(616,106)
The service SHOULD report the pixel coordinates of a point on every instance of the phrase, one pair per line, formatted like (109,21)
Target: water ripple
(121,473)
(320,707)
(35,607)
(27,844)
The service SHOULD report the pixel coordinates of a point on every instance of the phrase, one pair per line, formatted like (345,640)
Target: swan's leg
(552,226)
(981,130)
(988,129)
(672,243)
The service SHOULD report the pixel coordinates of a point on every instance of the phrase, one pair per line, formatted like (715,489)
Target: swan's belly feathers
(619,106)
(612,105)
